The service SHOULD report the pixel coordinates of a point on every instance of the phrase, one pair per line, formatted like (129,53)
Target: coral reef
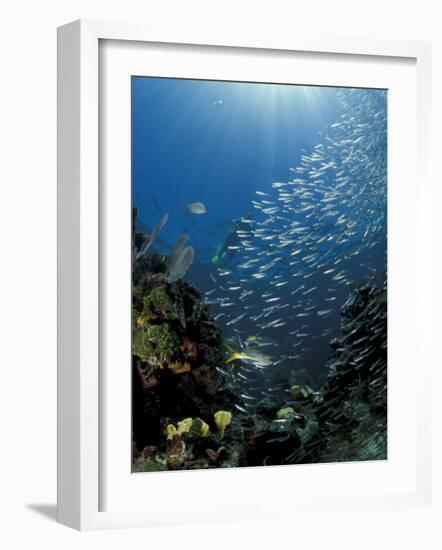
(183,403)
(177,349)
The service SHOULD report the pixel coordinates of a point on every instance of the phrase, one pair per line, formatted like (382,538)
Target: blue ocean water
(228,145)
(217,142)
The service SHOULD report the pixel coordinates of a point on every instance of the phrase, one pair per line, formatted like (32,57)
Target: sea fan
(149,241)
(179,245)
(180,262)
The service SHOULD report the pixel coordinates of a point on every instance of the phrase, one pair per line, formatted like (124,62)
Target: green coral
(158,303)
(154,344)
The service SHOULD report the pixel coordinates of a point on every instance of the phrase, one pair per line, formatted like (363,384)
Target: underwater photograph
(259,274)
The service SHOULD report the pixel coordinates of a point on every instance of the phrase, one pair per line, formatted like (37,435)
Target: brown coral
(189,348)
(147,374)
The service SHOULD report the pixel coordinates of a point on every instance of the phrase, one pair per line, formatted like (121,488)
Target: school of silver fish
(310,239)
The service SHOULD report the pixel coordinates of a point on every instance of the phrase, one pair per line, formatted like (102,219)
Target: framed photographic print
(232,275)
(259,325)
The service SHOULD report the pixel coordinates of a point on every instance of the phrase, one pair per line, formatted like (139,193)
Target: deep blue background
(217,142)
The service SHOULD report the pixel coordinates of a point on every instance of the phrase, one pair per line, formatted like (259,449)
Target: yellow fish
(236,355)
(255,357)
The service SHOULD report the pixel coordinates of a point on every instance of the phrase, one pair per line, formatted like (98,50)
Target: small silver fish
(233,321)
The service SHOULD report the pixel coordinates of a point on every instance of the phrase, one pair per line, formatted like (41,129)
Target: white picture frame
(80,444)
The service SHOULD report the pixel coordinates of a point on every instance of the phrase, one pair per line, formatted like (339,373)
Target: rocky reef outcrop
(353,413)
(177,349)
